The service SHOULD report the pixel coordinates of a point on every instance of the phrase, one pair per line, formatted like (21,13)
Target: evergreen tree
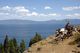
(15,45)
(35,39)
(15,42)
(6,44)
(12,47)
(1,48)
(22,46)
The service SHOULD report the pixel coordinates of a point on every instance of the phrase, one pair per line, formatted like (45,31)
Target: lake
(27,31)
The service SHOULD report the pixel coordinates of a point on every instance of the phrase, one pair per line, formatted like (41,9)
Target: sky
(39,10)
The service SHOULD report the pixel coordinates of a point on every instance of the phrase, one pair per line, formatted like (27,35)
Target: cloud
(49,14)
(20,9)
(4,13)
(69,15)
(5,8)
(47,7)
(14,10)
(42,14)
(31,14)
(54,14)
(34,13)
(77,15)
(24,12)
(71,8)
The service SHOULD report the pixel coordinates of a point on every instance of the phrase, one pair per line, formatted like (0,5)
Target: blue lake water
(27,31)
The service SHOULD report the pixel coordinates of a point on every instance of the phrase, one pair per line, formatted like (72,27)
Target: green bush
(22,46)
(1,48)
(11,46)
(35,39)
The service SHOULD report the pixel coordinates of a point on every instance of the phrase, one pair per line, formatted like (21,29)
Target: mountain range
(16,21)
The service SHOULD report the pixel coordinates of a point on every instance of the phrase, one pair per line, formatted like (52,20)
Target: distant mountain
(73,21)
(14,21)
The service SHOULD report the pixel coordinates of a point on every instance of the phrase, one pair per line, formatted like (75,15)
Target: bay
(27,31)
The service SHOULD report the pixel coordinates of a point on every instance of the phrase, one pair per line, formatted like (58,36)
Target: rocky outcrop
(51,45)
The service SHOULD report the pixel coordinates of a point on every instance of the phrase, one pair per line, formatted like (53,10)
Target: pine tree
(15,45)
(6,44)
(1,48)
(15,42)
(35,39)
(22,46)
(12,47)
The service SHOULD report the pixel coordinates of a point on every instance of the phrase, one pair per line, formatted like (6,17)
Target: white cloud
(49,14)
(5,8)
(69,15)
(20,9)
(4,13)
(76,15)
(42,14)
(47,7)
(53,14)
(30,14)
(14,10)
(34,14)
(71,8)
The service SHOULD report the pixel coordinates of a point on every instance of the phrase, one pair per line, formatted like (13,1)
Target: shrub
(76,39)
(22,46)
(38,49)
(11,46)
(35,39)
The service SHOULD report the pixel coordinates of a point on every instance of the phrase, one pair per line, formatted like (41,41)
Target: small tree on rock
(35,39)
(22,46)
(6,44)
